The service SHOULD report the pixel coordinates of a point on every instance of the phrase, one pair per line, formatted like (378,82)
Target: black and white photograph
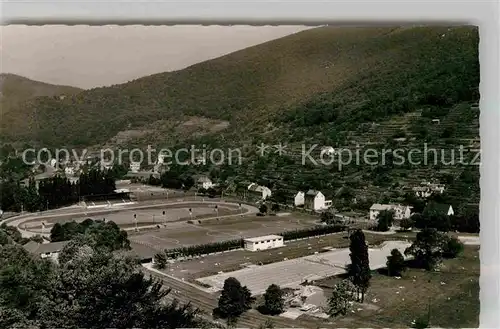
(240,176)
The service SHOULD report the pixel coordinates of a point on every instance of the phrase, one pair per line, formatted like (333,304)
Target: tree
(326,217)
(263,208)
(428,248)
(385,220)
(275,207)
(57,233)
(406,223)
(233,301)
(160,260)
(274,302)
(105,290)
(104,234)
(432,218)
(453,248)
(342,297)
(359,269)
(37,238)
(395,263)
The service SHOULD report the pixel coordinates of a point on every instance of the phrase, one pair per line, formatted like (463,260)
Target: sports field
(146,215)
(184,234)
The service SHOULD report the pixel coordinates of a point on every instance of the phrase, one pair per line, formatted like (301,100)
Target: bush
(160,260)
(421,323)
(406,224)
(395,263)
(453,248)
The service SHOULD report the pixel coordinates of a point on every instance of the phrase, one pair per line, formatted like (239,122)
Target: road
(70,211)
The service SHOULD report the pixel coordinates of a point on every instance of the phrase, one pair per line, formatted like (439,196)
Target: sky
(95,56)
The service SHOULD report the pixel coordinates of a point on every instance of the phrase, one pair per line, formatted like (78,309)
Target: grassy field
(178,234)
(452,295)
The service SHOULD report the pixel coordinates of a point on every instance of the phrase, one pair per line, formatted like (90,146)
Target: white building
(400,211)
(204,182)
(45,250)
(299,199)
(315,200)
(426,189)
(135,167)
(263,191)
(264,242)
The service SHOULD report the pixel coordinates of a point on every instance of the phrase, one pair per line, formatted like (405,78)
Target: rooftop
(204,179)
(378,206)
(312,192)
(263,238)
(41,248)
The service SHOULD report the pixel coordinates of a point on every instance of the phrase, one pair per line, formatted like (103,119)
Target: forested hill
(15,90)
(332,78)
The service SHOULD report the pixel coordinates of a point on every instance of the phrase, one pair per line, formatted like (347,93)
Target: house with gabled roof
(316,201)
(400,211)
(299,199)
(45,250)
(263,191)
(204,182)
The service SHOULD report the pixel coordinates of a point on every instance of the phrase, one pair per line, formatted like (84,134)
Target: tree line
(55,192)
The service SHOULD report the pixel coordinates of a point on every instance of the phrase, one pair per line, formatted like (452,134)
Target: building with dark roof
(45,250)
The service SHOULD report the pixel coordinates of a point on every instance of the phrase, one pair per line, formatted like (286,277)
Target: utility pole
(135,220)
(164,218)
(191,213)
(429,306)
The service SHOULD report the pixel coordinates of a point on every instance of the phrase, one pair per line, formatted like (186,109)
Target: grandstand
(118,198)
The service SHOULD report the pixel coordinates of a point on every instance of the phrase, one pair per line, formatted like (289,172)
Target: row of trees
(204,249)
(54,192)
(313,231)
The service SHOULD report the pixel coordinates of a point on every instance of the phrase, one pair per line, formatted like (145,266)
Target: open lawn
(452,294)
